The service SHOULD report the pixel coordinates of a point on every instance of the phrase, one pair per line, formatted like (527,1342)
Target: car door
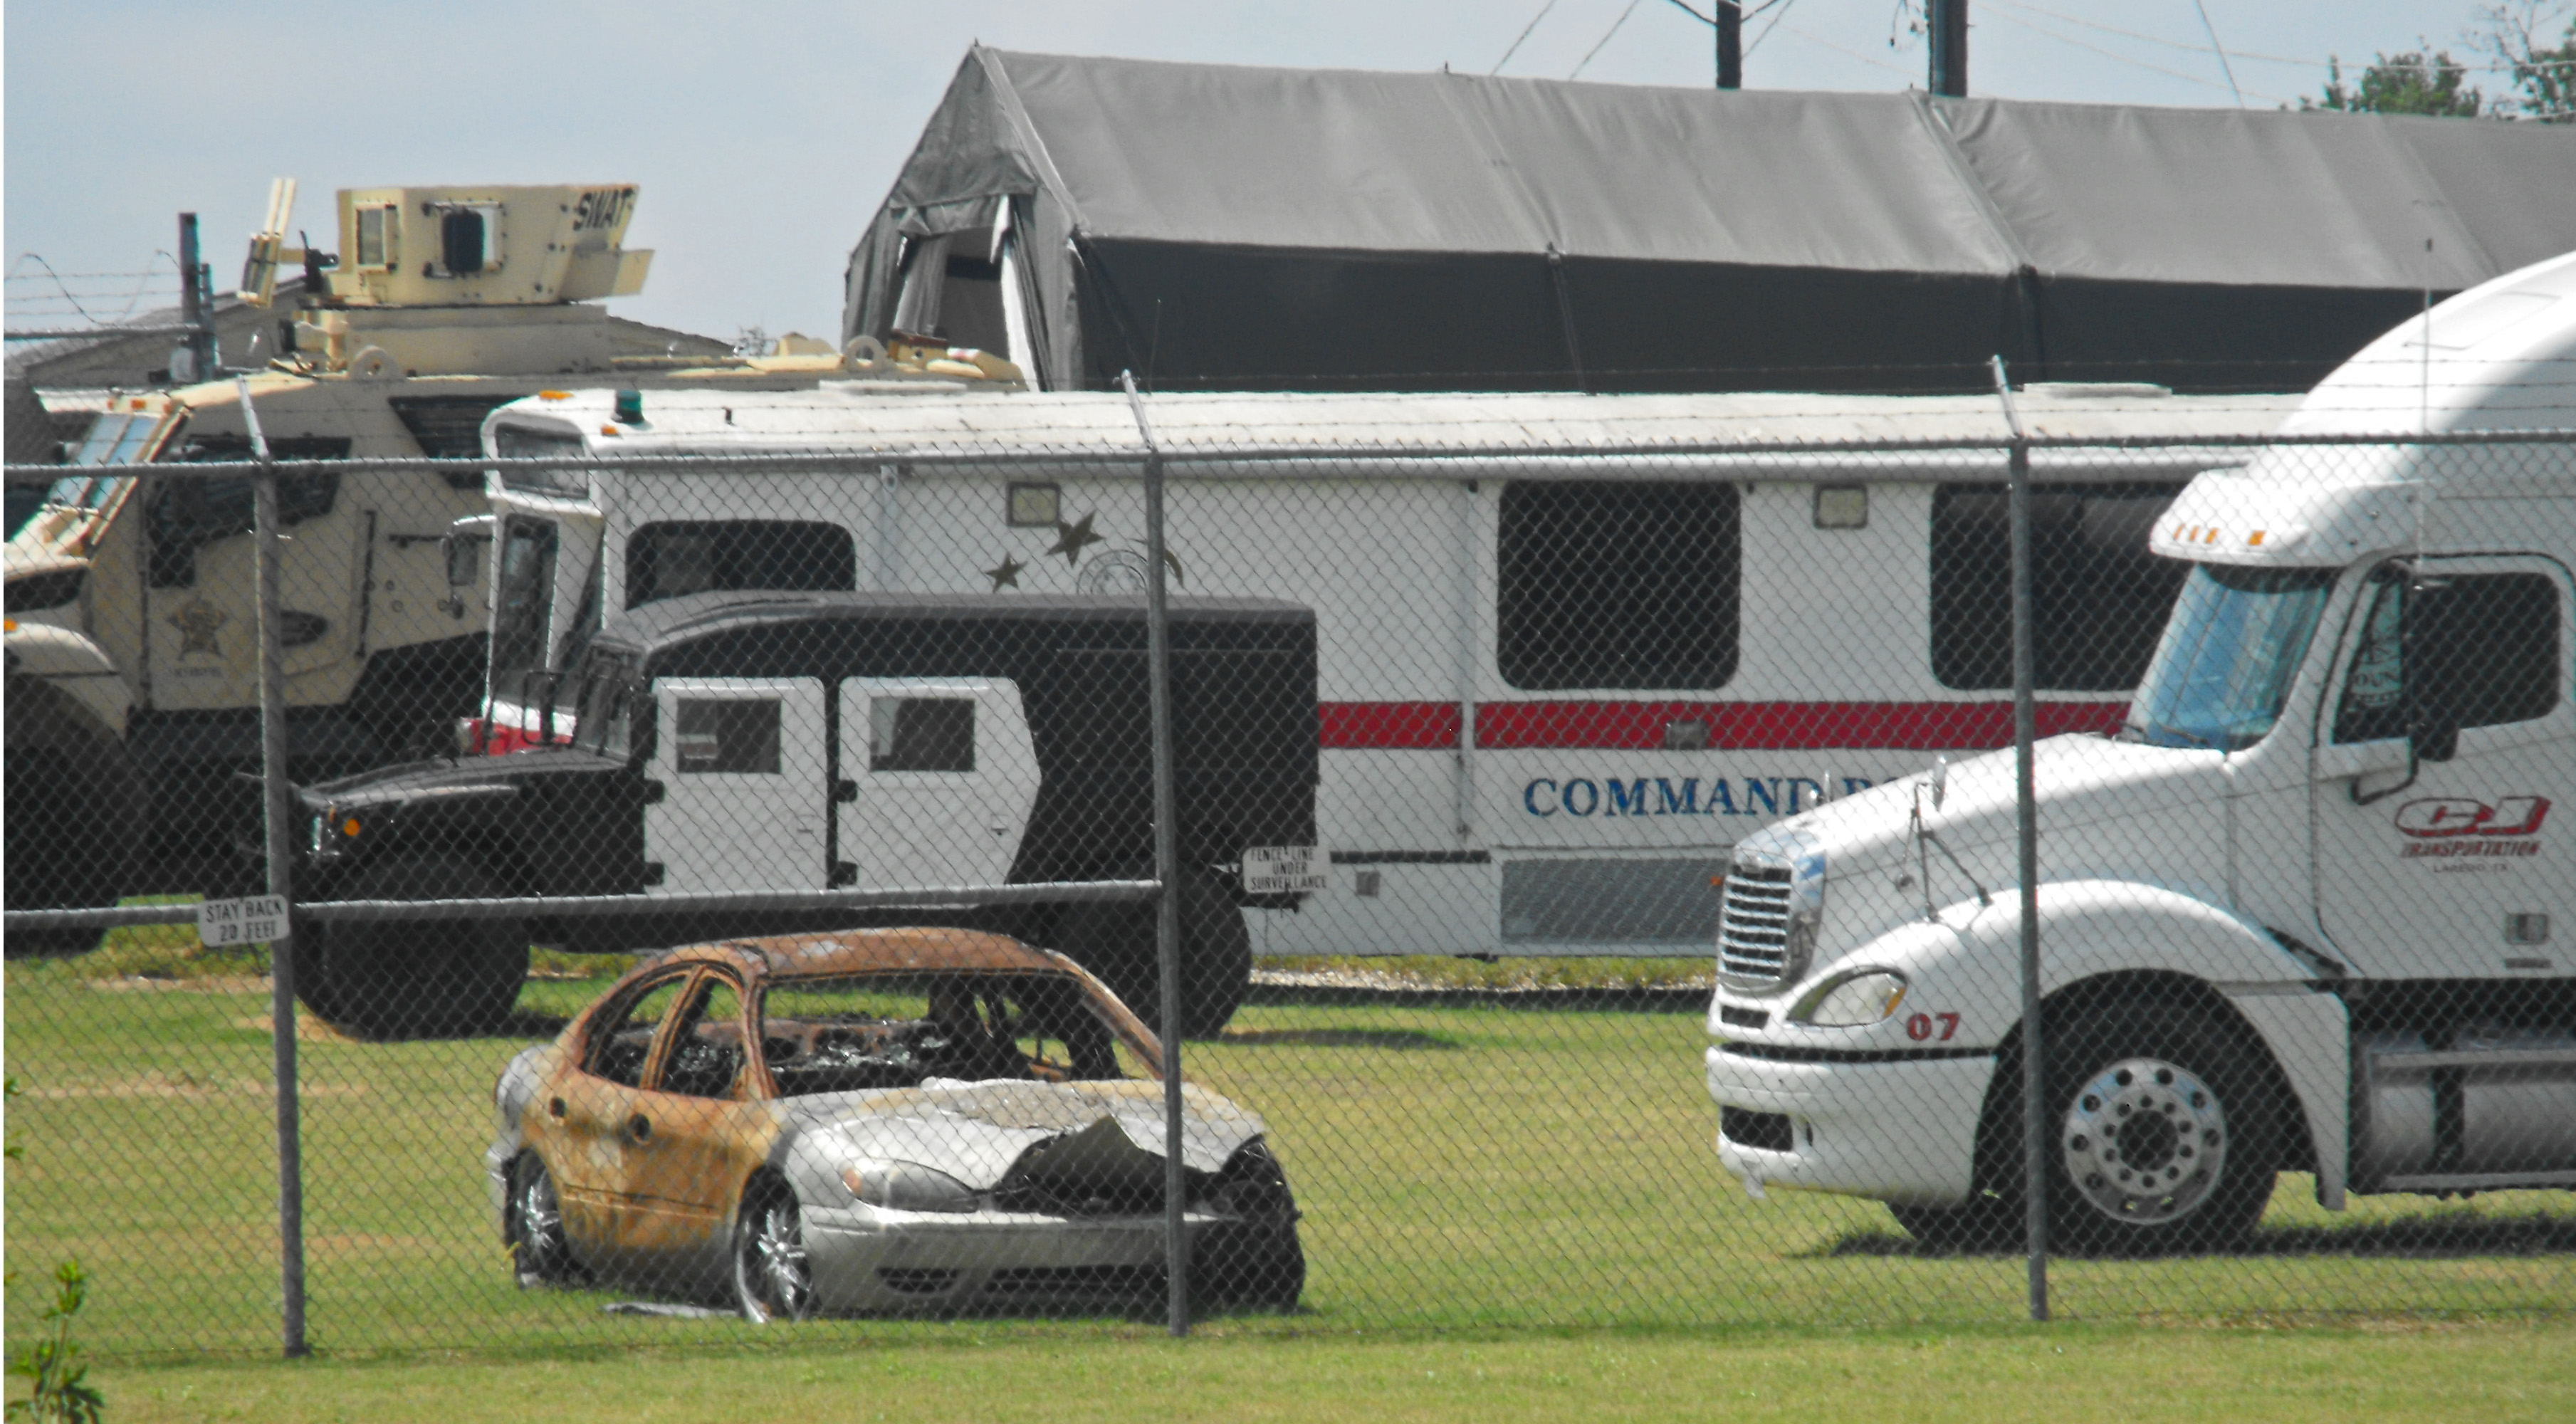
(700,1135)
(938,778)
(2446,855)
(740,789)
(594,1115)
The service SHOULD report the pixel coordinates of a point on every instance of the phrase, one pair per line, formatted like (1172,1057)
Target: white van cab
(2307,910)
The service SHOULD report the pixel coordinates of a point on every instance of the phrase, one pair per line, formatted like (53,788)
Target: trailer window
(2099,598)
(1618,585)
(668,560)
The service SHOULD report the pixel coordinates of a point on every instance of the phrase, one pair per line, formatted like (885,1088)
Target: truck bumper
(1902,1131)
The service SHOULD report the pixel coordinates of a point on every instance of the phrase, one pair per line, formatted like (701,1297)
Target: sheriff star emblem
(199,624)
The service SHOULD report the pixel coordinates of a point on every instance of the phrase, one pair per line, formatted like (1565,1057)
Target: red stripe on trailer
(1732,726)
(1415,726)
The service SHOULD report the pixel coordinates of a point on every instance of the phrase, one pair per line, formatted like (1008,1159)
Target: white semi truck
(2304,912)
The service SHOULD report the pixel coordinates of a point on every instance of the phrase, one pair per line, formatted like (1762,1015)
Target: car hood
(978,1132)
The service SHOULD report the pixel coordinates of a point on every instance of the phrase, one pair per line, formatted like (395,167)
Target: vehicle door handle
(640,1128)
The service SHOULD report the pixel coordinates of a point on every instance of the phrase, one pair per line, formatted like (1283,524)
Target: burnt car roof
(666,622)
(898,952)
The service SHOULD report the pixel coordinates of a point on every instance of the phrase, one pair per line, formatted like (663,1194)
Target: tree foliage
(2412,83)
(2544,75)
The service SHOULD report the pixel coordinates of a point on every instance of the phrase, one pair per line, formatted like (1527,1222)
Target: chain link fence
(761,855)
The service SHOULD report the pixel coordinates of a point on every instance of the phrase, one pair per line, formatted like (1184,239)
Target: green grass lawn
(2495,1374)
(1461,1168)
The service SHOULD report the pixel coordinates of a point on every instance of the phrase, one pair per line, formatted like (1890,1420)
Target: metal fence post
(280,845)
(1167,856)
(2034,1101)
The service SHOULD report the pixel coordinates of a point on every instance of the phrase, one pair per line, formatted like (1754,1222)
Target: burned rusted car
(876,1121)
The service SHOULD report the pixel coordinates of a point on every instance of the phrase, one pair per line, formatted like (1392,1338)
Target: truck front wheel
(78,808)
(415,978)
(2167,1133)
(1116,942)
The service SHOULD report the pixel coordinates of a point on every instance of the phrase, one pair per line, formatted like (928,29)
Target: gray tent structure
(1223,227)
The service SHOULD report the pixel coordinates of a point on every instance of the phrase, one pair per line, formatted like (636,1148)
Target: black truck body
(569,819)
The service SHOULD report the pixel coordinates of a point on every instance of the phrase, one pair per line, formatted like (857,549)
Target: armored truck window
(2099,597)
(921,734)
(189,513)
(1618,585)
(2469,650)
(736,736)
(668,560)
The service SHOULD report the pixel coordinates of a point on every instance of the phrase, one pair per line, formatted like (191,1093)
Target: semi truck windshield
(2229,652)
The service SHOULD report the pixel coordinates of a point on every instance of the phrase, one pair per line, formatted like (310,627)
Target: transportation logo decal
(2461,827)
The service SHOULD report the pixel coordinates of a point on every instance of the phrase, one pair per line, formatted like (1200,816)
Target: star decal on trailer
(1072,539)
(1007,575)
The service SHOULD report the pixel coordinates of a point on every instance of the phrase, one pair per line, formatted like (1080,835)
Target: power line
(2224,67)
(1775,22)
(1524,34)
(1605,38)
(2113,54)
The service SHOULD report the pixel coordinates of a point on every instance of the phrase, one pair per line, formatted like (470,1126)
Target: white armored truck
(2306,911)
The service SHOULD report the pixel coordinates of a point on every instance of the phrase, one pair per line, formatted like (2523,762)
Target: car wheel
(538,1246)
(1975,1227)
(772,1277)
(416,978)
(1115,941)
(2166,1138)
(78,814)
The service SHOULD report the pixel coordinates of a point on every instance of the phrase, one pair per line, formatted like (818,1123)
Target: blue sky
(763,135)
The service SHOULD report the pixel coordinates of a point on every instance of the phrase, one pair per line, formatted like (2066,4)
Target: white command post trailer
(2305,911)
(1659,645)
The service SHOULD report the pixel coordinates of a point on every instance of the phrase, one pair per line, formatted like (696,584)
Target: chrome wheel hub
(2145,1141)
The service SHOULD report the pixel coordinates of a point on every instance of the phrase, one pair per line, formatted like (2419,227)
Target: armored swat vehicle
(748,741)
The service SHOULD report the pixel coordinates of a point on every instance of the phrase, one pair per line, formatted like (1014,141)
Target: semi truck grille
(1753,924)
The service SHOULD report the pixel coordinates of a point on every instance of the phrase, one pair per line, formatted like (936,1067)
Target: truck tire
(78,811)
(415,978)
(2167,1133)
(1116,943)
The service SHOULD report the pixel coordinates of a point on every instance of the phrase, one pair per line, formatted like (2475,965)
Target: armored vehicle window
(621,1042)
(1618,585)
(921,734)
(2471,650)
(668,560)
(375,238)
(517,442)
(2100,598)
(189,513)
(739,736)
(525,598)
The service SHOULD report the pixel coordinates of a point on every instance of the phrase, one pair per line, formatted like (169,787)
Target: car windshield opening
(2224,666)
(853,1034)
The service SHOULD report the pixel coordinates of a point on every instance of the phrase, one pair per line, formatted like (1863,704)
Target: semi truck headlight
(1855,999)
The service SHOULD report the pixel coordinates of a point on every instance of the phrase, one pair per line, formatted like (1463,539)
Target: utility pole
(1730,44)
(1947,21)
(196,309)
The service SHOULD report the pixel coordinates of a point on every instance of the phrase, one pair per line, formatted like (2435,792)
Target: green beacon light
(630,407)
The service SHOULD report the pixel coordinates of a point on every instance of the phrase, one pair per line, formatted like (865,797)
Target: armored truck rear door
(939,778)
(743,785)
